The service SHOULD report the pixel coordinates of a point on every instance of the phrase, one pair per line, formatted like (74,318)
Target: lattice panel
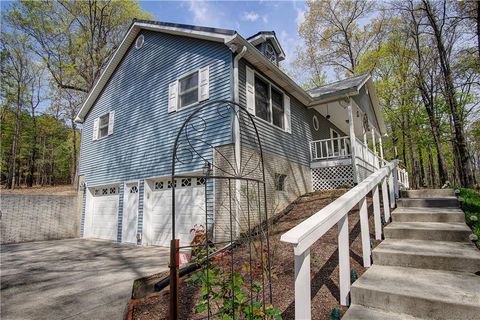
(363,173)
(331,177)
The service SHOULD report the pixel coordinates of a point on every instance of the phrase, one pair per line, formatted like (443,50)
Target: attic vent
(139,42)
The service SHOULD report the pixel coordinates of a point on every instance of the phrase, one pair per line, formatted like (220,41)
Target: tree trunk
(432,169)
(421,176)
(466,178)
(73,176)
(13,155)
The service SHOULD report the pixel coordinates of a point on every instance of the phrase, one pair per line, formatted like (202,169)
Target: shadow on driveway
(73,279)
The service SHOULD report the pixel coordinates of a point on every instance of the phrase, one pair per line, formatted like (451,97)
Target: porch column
(375,164)
(381,149)
(353,142)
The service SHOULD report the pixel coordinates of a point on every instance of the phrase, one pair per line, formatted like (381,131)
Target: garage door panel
(189,208)
(104,211)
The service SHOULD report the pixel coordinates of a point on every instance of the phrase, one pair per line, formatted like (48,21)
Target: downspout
(236,137)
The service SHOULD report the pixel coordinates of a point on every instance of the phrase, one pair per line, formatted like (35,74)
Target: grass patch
(471,207)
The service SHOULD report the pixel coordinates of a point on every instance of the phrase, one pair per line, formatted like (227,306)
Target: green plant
(471,207)
(230,295)
(343,186)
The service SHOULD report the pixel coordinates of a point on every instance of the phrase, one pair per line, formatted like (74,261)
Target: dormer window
(270,53)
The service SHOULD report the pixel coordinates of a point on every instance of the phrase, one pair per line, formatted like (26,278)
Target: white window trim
(199,87)
(315,120)
(99,127)
(180,78)
(270,102)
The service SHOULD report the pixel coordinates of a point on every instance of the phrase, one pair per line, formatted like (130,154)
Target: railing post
(386,205)
(303,308)
(365,232)
(391,187)
(353,142)
(343,261)
(376,213)
(395,182)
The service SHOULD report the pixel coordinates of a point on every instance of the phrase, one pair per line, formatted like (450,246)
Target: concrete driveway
(73,279)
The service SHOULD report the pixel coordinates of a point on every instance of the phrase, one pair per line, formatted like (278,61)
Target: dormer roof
(263,36)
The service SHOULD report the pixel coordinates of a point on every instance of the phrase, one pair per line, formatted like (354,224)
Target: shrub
(471,207)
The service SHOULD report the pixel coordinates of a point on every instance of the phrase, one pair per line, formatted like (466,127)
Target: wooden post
(380,142)
(374,146)
(365,232)
(391,187)
(353,142)
(376,213)
(174,264)
(343,261)
(386,205)
(303,308)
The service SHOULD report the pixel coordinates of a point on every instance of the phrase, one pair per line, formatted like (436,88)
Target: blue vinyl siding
(295,146)
(144,132)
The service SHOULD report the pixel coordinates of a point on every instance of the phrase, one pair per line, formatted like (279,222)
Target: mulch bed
(324,266)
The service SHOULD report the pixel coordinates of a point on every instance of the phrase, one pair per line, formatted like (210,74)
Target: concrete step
(438,231)
(445,202)
(357,312)
(427,193)
(426,214)
(427,254)
(431,294)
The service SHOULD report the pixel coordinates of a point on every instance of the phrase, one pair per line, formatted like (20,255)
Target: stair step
(357,312)
(434,294)
(445,202)
(427,193)
(428,214)
(438,231)
(426,254)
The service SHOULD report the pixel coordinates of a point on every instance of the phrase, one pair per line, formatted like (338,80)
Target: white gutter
(236,132)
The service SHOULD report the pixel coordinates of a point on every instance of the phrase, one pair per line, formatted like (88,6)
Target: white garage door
(102,213)
(190,210)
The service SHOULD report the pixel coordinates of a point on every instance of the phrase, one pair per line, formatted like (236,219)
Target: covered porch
(351,155)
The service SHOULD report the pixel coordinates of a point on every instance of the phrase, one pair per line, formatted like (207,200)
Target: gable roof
(338,88)
(231,38)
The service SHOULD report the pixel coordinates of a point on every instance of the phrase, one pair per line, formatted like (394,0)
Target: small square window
(188,90)
(104,191)
(113,190)
(170,184)
(200,181)
(187,182)
(280,182)
(158,185)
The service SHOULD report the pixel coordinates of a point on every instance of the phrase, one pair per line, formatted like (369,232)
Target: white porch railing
(403,178)
(304,235)
(330,148)
(364,153)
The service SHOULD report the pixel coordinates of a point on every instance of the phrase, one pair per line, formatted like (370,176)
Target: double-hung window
(188,90)
(269,103)
(262,99)
(103,125)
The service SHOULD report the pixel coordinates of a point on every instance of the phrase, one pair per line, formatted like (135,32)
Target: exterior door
(130,213)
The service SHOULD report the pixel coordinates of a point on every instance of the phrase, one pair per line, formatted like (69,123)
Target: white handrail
(304,235)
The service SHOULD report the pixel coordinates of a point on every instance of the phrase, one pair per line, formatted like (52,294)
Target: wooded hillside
(425,60)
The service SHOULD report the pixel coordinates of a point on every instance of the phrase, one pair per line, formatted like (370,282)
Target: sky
(246,17)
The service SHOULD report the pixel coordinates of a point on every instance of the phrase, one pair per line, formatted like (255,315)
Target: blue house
(162,72)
